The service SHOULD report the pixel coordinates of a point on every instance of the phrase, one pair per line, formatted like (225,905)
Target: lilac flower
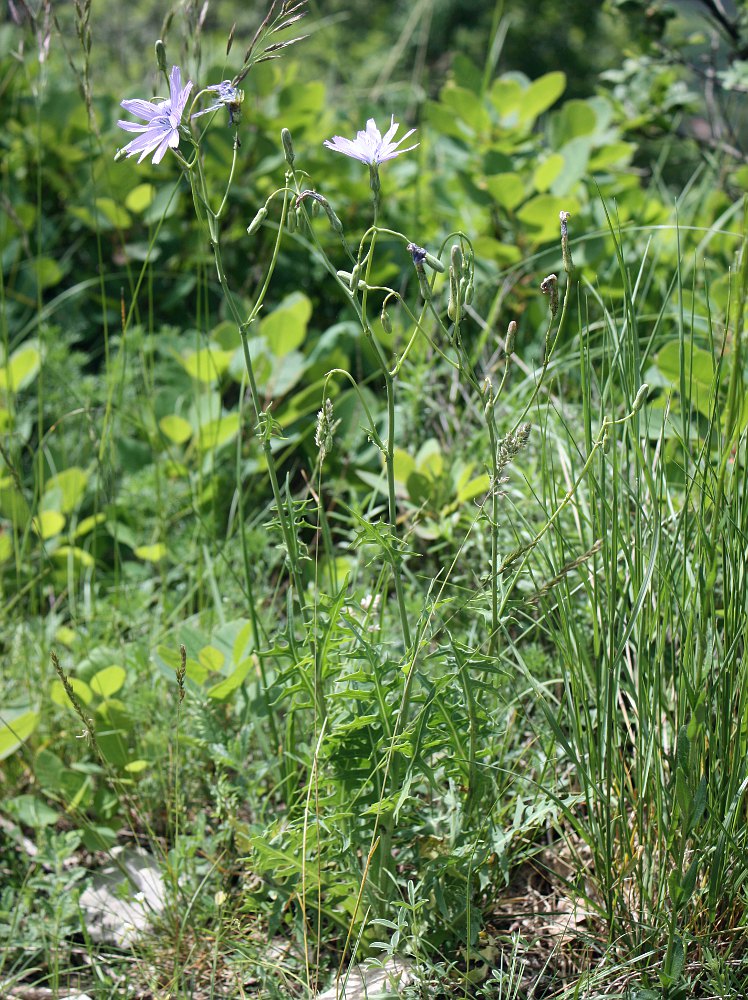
(162,118)
(228,97)
(371,146)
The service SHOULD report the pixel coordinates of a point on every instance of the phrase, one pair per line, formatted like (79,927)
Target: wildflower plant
(436,305)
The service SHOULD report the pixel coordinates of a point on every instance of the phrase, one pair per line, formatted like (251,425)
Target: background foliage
(533,781)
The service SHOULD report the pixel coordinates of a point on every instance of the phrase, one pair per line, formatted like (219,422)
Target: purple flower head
(371,146)
(417,253)
(162,119)
(227,97)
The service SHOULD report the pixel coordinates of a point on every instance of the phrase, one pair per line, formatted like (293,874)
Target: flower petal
(143,109)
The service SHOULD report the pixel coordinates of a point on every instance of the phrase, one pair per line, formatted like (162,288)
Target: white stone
(368,981)
(124,897)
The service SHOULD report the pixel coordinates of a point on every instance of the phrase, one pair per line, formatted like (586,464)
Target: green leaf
(466,108)
(540,215)
(16,725)
(21,369)
(507,189)
(87,524)
(575,118)
(80,556)
(165,204)
(216,433)
(541,94)
(137,766)
(234,680)
(547,172)
(48,272)
(683,795)
(175,428)
(576,155)
(151,553)
(114,213)
(211,658)
(31,811)
(81,690)
(140,198)
(475,488)
(403,464)
(65,490)
(108,681)
(689,881)
(206,364)
(48,523)
(242,642)
(506,95)
(419,488)
(284,329)
(429,459)
(698,372)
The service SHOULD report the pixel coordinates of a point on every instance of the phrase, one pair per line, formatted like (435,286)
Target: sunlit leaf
(16,725)
(151,553)
(108,681)
(176,428)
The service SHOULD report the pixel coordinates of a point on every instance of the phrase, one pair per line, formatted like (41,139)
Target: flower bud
(291,220)
(640,398)
(335,224)
(434,263)
(385,320)
(549,287)
(257,221)
(353,283)
(287,146)
(565,252)
(160,48)
(511,333)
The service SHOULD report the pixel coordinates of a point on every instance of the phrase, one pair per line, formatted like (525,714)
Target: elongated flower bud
(423,284)
(257,221)
(565,252)
(549,287)
(640,398)
(287,146)
(291,220)
(161,55)
(511,333)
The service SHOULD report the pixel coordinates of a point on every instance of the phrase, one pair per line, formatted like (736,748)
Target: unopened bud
(291,220)
(549,287)
(385,320)
(434,263)
(456,259)
(335,222)
(257,221)
(640,398)
(423,284)
(511,333)
(565,252)
(287,146)
(469,292)
(353,283)
(160,48)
